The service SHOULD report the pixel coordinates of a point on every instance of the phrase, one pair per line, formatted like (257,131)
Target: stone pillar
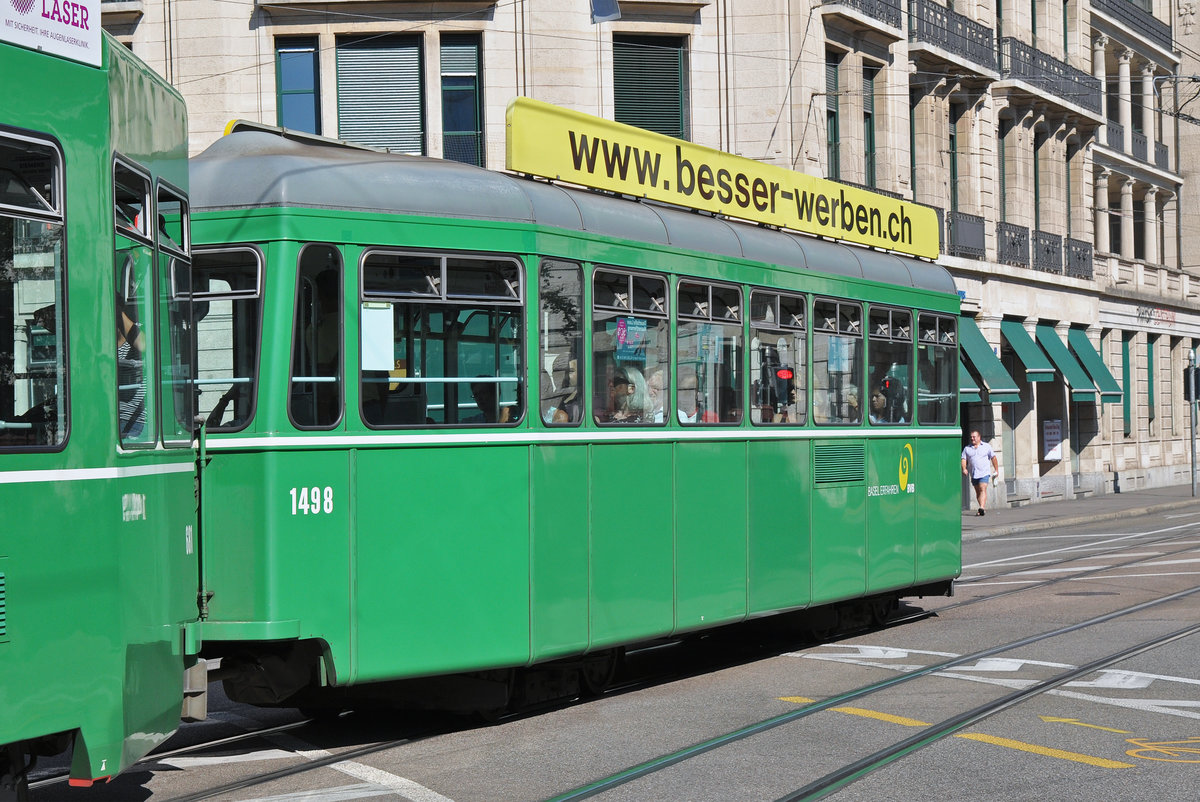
(1150,225)
(1100,73)
(1148,106)
(1103,241)
(1125,99)
(1127,219)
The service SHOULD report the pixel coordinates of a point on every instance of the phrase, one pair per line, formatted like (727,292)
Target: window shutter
(380,101)
(649,84)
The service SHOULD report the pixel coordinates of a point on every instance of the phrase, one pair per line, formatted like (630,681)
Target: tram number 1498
(312,500)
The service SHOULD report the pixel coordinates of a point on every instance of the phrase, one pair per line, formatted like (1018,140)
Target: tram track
(836,779)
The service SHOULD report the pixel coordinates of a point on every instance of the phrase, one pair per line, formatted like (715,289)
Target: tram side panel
(891,513)
(441,560)
(780,525)
(939,517)
(558,549)
(839,520)
(631,582)
(710,533)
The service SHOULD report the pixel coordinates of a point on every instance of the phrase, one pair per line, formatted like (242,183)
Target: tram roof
(260,169)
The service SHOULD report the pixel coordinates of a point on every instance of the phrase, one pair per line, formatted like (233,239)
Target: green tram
(464,423)
(98,557)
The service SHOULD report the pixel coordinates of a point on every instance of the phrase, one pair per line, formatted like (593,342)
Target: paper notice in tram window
(377,343)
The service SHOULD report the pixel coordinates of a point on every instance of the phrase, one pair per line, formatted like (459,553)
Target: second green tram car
(98,546)
(461,422)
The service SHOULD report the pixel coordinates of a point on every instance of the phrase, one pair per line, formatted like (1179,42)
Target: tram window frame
(177,342)
(836,321)
(717,397)
(783,397)
(42,425)
(135,264)
(620,298)
(126,180)
(560,348)
(937,335)
(328,409)
(239,301)
(890,356)
(410,400)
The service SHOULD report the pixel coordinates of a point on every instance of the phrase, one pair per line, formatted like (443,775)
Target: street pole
(1192,378)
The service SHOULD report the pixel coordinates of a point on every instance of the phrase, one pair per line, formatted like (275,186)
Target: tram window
(315,399)
(837,362)
(709,349)
(135,341)
(131,198)
(227,301)
(778,358)
(177,391)
(32,316)
(560,302)
(889,365)
(937,368)
(630,345)
(172,221)
(445,352)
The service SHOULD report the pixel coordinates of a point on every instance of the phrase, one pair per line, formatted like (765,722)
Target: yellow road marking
(1103,763)
(1078,723)
(858,711)
(1046,751)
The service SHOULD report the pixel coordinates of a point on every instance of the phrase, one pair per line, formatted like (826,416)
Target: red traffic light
(784,373)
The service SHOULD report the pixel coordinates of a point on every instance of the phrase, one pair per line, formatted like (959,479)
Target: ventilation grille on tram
(839,462)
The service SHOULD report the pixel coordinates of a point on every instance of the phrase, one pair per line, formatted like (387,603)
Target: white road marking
(248,757)
(342,793)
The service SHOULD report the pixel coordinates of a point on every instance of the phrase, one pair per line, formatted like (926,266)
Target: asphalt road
(1126,729)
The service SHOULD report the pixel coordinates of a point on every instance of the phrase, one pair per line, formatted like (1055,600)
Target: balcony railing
(1019,60)
(1047,252)
(935,24)
(888,12)
(1139,146)
(1079,259)
(1141,21)
(1115,135)
(965,235)
(1012,244)
(1161,159)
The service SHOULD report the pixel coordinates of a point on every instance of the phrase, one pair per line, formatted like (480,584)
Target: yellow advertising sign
(553,142)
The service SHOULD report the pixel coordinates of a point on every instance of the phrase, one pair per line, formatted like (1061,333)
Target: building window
(462,110)
(1127,383)
(1150,400)
(870,73)
(650,83)
(297,85)
(1002,168)
(832,62)
(380,101)
(957,110)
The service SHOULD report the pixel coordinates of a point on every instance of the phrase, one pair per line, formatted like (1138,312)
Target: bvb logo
(906,464)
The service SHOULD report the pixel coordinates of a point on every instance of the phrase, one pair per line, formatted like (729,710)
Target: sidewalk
(1053,514)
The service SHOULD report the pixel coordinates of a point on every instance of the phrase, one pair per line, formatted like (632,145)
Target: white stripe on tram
(94,474)
(521,437)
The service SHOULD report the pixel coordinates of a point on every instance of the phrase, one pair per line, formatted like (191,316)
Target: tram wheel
(598,671)
(492,713)
(881,609)
(823,622)
(14,780)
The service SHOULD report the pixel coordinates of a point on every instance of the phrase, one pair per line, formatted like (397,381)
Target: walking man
(979,463)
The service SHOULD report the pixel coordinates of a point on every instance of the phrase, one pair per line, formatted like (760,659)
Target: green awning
(1000,386)
(1081,385)
(968,390)
(1037,367)
(1110,391)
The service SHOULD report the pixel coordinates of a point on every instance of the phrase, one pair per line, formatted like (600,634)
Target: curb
(1051,523)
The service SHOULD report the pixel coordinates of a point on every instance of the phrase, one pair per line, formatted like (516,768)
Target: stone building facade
(1051,136)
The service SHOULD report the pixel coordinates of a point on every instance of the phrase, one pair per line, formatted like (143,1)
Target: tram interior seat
(404,406)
